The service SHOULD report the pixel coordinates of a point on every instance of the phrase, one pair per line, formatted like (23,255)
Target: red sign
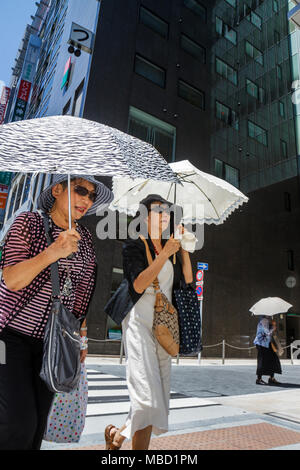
(3,102)
(3,195)
(24,90)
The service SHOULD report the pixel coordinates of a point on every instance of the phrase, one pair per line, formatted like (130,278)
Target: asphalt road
(217,381)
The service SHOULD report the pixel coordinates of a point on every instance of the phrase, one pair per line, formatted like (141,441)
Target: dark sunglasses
(82,191)
(159,209)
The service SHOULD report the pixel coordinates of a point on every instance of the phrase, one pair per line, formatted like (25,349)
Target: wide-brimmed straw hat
(104,194)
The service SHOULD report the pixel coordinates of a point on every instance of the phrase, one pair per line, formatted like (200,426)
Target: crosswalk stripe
(109,396)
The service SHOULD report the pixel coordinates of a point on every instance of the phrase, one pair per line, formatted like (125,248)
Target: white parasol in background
(270,306)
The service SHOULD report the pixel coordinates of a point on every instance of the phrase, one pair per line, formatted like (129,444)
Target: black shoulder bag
(61,351)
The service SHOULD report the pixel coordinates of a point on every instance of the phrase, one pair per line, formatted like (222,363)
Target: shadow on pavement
(285,385)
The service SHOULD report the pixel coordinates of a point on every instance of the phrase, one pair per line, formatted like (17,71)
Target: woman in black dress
(268,362)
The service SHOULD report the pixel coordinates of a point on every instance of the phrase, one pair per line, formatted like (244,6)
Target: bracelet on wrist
(83,343)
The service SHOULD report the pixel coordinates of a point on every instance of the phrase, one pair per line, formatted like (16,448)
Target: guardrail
(293,346)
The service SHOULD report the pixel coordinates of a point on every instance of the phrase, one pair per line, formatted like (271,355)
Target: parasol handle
(69,201)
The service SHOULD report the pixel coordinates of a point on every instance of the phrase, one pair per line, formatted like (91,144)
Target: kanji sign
(20,110)
(24,90)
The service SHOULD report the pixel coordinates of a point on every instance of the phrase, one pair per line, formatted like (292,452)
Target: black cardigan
(134,262)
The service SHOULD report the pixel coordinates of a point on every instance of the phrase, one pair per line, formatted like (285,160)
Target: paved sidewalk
(261,436)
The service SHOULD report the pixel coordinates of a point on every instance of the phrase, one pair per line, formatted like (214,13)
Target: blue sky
(14,15)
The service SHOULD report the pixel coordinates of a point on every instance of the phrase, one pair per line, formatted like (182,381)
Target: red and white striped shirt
(27,310)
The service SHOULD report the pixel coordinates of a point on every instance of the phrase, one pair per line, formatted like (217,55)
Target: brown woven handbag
(165,320)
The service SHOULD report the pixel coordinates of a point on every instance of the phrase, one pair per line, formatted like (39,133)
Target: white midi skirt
(148,364)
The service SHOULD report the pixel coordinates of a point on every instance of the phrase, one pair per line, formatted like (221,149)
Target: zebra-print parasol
(67,144)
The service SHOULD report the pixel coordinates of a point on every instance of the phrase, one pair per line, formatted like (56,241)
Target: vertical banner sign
(27,77)
(67,73)
(3,102)
(22,100)
(3,195)
(3,198)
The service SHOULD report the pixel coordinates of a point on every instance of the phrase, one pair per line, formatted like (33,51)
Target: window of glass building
(67,108)
(150,71)
(257,133)
(261,95)
(227,172)
(254,53)
(255,91)
(255,19)
(276,6)
(196,7)
(191,94)
(232,3)
(193,48)
(252,88)
(283,149)
(276,36)
(26,188)
(279,71)
(151,129)
(226,71)
(281,109)
(34,192)
(78,100)
(227,115)
(12,202)
(19,193)
(154,22)
(226,31)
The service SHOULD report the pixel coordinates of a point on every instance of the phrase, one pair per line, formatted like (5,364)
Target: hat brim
(103,199)
(154,198)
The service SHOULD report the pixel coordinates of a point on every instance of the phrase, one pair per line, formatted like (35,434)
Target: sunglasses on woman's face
(160,209)
(82,191)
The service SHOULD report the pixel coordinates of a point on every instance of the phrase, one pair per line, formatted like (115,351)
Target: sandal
(272,380)
(110,438)
(260,382)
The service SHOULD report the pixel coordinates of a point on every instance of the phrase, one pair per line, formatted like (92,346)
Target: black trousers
(25,400)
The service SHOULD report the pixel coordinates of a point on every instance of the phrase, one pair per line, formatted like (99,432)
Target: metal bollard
(223,351)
